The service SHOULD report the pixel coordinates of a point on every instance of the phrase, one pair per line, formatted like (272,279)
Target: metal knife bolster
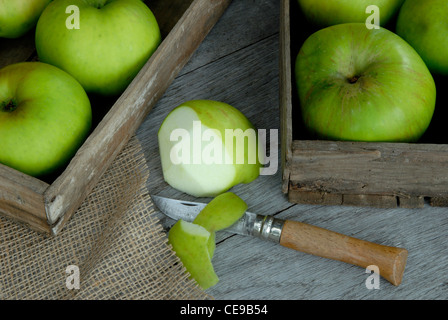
(268,228)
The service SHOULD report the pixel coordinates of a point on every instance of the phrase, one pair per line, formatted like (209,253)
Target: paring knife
(390,261)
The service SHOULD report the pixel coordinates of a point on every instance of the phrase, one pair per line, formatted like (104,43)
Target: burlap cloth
(114,240)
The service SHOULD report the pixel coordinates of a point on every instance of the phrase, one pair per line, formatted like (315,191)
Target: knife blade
(389,261)
(250,224)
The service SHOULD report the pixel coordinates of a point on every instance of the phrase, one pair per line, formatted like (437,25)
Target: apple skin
(50,118)
(423,25)
(206,180)
(191,242)
(17,17)
(363,85)
(324,13)
(194,242)
(222,212)
(211,244)
(107,51)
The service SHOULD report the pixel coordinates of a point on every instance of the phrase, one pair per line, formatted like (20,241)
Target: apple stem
(8,106)
(97,3)
(353,79)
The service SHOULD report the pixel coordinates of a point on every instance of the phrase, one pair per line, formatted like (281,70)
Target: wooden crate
(45,206)
(352,173)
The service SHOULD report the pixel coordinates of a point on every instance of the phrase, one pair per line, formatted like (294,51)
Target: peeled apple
(207,147)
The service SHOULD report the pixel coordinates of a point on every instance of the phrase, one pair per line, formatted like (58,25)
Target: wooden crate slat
(285,88)
(297,194)
(21,198)
(410,170)
(63,197)
(47,207)
(407,175)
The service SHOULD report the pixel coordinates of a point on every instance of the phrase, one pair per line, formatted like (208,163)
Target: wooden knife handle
(390,261)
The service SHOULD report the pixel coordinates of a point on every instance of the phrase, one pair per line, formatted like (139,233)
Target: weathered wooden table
(238,64)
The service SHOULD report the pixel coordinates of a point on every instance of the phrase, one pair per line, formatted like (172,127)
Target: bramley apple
(17,17)
(45,116)
(423,25)
(207,147)
(325,13)
(363,85)
(102,43)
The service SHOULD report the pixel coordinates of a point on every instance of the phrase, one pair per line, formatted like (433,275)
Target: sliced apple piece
(220,213)
(194,242)
(190,242)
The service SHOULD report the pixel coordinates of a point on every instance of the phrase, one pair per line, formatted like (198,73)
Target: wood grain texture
(350,173)
(17,50)
(390,261)
(22,199)
(285,91)
(245,73)
(380,174)
(184,24)
(68,191)
(252,269)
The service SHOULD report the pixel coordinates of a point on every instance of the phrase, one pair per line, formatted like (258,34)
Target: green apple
(102,43)
(222,212)
(325,13)
(207,147)
(190,242)
(45,116)
(423,25)
(17,17)
(363,85)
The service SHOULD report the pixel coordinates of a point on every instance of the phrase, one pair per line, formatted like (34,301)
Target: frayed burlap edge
(113,247)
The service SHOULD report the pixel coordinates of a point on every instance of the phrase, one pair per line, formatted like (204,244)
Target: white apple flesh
(188,162)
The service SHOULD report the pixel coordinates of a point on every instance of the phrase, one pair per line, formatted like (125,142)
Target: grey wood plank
(243,71)
(246,22)
(227,80)
(252,269)
(17,50)
(223,81)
